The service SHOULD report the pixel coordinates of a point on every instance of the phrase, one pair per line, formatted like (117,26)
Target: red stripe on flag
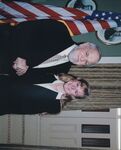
(30,19)
(14,20)
(78,13)
(104,24)
(20,9)
(88,25)
(47,10)
(72,26)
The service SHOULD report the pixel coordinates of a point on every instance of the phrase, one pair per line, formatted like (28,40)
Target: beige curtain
(105,83)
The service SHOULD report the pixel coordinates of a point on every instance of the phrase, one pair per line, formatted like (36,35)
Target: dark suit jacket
(22,98)
(5,48)
(36,41)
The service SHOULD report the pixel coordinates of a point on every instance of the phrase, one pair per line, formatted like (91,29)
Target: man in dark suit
(29,44)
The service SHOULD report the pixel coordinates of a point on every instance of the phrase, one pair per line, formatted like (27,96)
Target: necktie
(55,58)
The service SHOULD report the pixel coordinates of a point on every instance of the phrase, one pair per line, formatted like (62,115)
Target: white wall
(56,130)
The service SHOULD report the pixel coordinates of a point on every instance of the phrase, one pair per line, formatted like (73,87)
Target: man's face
(75,88)
(84,54)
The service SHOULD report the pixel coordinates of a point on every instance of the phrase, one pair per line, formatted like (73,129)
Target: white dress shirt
(65,59)
(48,86)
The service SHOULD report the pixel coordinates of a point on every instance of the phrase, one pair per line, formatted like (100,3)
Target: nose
(82,59)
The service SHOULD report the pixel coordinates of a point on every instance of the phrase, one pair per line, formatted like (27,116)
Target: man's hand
(20,66)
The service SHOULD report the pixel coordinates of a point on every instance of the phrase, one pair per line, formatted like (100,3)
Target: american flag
(78,21)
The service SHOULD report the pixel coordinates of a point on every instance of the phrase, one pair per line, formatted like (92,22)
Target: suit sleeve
(53,107)
(32,99)
(42,75)
(36,41)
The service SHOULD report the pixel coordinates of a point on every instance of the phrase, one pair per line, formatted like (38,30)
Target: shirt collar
(68,50)
(47,86)
(64,53)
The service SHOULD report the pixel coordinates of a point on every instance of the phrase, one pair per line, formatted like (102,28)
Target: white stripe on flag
(19,19)
(67,18)
(81,27)
(42,17)
(2,17)
(96,25)
(60,11)
(32,9)
(112,23)
(12,11)
(1,5)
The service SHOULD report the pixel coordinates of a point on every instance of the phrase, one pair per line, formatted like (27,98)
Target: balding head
(85,54)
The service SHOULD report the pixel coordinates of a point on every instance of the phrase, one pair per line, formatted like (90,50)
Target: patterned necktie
(55,58)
